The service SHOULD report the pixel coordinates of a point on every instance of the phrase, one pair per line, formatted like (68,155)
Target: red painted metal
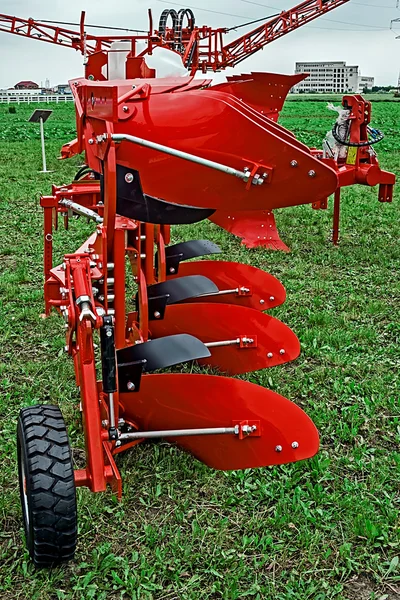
(220,132)
(175,401)
(255,228)
(264,290)
(92,282)
(263,341)
(265,92)
(359,165)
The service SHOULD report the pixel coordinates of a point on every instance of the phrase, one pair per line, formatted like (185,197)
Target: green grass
(327,528)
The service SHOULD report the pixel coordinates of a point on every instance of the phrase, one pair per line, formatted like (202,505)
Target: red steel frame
(102,258)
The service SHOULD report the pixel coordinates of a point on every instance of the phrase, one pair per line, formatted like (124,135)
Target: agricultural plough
(164,151)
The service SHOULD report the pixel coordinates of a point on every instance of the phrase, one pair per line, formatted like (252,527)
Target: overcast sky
(358,32)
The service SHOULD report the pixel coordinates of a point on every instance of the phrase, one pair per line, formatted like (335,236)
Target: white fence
(35,98)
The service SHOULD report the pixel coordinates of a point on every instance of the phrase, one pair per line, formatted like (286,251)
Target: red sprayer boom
(202,48)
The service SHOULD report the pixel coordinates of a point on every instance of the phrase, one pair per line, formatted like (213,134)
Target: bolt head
(125,108)
(281,352)
(157,314)
(278,448)
(294,163)
(270,355)
(172,270)
(295,445)
(262,301)
(130,386)
(311,173)
(129,177)
(272,298)
(91,141)
(108,333)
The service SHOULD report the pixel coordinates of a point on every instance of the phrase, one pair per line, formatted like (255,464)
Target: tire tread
(51,483)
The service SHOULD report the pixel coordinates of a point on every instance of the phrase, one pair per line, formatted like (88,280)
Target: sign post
(40,116)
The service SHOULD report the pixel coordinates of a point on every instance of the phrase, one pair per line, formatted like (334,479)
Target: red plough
(142,176)
(349,152)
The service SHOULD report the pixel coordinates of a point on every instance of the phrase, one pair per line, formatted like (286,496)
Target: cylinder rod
(245,174)
(178,433)
(81,210)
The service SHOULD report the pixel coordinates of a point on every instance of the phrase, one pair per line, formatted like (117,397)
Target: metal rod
(336,218)
(178,433)
(111,410)
(223,343)
(220,293)
(43,148)
(245,174)
(81,210)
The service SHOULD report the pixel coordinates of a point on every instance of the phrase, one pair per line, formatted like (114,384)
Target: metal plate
(274,342)
(266,291)
(192,249)
(38,114)
(255,228)
(174,401)
(164,352)
(182,288)
(176,253)
(134,204)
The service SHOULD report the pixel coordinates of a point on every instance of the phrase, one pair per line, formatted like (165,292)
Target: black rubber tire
(46,482)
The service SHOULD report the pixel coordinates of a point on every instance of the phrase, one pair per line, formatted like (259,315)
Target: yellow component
(352,156)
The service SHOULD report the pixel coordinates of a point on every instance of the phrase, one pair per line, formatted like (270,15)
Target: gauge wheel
(46,483)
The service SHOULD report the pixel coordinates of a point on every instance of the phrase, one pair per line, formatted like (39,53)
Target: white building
(332,77)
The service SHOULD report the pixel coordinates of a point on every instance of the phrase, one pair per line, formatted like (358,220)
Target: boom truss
(202,48)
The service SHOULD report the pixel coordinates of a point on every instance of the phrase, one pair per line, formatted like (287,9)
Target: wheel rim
(24,494)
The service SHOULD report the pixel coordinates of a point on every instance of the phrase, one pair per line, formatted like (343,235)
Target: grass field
(324,529)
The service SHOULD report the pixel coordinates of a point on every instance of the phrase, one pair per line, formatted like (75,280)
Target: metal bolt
(295,445)
(282,352)
(269,355)
(294,163)
(311,173)
(172,270)
(91,141)
(262,301)
(108,333)
(130,386)
(157,314)
(129,177)
(118,443)
(278,448)
(272,298)
(104,423)
(125,108)
(249,429)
